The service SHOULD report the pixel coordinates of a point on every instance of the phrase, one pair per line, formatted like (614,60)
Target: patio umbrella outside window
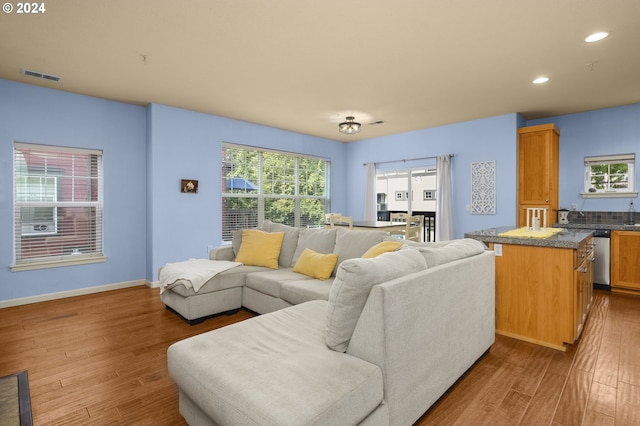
(241,184)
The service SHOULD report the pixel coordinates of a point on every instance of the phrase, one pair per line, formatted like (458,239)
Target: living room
(149,222)
(149,148)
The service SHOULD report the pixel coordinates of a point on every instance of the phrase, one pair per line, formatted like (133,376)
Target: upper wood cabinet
(538,152)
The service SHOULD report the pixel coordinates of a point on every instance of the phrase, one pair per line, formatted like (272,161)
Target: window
(58,206)
(429,194)
(609,175)
(393,197)
(392,194)
(282,187)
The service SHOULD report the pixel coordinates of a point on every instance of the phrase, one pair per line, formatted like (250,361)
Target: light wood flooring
(101,359)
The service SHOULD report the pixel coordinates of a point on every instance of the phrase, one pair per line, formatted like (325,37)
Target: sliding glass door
(411,191)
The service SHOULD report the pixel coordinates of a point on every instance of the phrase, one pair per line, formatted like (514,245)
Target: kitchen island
(544,286)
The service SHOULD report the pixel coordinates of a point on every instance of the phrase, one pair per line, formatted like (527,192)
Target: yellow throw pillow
(259,248)
(383,247)
(316,265)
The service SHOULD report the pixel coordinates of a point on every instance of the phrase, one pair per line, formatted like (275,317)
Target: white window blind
(58,206)
(610,159)
(262,184)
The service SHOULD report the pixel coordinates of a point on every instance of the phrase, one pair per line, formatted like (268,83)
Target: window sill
(609,194)
(69,261)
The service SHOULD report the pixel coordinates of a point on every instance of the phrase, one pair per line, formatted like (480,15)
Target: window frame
(90,183)
(265,194)
(590,191)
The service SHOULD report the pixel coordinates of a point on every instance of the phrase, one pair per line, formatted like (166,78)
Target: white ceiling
(305,65)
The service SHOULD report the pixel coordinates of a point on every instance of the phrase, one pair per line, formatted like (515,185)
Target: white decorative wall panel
(483,187)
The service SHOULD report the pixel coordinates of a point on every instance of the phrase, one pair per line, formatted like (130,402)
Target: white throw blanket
(193,273)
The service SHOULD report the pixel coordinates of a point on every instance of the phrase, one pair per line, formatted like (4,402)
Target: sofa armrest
(426,329)
(222,253)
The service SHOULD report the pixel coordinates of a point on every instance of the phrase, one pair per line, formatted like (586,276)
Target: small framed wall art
(190,186)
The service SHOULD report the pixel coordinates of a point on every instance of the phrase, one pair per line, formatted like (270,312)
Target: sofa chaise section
(222,293)
(274,370)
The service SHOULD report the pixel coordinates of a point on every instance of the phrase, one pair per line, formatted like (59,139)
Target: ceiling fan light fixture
(349,127)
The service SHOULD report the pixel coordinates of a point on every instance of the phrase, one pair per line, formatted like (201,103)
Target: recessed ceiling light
(540,80)
(596,37)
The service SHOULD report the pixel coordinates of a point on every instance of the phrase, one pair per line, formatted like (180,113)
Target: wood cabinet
(625,261)
(538,152)
(583,281)
(543,294)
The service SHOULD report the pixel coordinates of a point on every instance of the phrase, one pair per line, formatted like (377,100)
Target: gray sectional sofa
(262,289)
(377,343)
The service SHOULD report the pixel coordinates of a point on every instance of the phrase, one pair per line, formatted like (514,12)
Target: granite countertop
(568,238)
(592,226)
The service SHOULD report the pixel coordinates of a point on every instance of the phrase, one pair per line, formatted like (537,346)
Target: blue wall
(148,221)
(602,132)
(489,139)
(52,117)
(188,145)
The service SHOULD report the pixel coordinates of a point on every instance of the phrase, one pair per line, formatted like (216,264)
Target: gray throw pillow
(289,243)
(351,244)
(317,239)
(351,287)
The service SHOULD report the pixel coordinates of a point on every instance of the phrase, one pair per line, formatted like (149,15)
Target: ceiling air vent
(40,75)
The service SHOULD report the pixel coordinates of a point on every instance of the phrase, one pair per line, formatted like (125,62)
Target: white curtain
(370,197)
(444,226)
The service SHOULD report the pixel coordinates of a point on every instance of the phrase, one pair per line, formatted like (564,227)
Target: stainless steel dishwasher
(602,255)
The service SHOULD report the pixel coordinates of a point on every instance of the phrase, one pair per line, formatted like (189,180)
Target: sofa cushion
(448,251)
(351,244)
(316,265)
(317,239)
(383,247)
(289,243)
(352,285)
(300,291)
(270,282)
(260,248)
(275,369)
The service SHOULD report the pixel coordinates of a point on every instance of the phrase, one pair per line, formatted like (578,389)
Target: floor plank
(101,359)
(595,382)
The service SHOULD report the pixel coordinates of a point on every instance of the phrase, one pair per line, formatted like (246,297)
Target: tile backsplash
(605,218)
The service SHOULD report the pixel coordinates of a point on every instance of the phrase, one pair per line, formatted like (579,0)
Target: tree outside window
(281,187)
(609,175)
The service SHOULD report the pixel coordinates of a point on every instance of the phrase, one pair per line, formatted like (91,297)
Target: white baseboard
(153,284)
(71,293)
